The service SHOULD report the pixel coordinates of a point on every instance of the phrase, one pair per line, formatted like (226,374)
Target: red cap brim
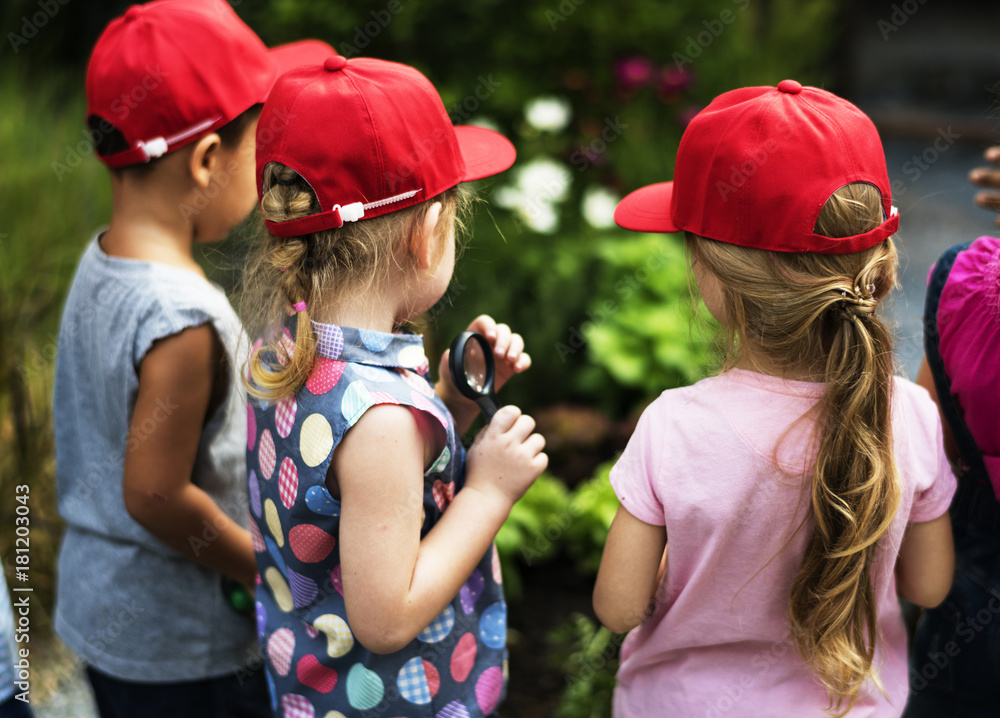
(297,54)
(647,209)
(485,152)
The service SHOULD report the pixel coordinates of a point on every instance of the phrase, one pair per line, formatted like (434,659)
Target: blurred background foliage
(595,95)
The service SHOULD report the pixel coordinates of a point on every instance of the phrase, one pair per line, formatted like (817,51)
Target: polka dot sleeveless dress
(456,667)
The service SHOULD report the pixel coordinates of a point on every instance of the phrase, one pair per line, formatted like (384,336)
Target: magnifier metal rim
(457,365)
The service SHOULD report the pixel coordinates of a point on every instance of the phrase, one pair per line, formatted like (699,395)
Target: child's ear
(204,159)
(423,241)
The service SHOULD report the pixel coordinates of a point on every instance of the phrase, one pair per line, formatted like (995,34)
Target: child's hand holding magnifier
(479,363)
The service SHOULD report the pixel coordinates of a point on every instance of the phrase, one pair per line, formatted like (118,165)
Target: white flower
(598,207)
(545,178)
(538,187)
(548,113)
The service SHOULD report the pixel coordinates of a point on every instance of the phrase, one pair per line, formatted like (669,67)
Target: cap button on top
(133,13)
(790,86)
(337,62)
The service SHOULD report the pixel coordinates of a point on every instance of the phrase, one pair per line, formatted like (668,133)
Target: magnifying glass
(472,371)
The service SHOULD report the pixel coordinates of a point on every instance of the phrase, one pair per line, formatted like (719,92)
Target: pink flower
(673,79)
(634,71)
(687,114)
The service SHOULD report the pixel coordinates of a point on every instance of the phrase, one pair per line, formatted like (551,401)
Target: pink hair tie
(299,306)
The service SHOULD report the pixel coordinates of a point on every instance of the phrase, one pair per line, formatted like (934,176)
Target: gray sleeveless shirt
(125,602)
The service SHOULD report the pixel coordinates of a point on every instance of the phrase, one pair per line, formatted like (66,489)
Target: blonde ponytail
(318,270)
(816,314)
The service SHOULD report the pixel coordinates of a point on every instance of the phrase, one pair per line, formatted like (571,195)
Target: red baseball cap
(169,72)
(756,166)
(370,137)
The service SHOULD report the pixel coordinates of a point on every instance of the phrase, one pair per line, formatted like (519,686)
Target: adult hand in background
(988,177)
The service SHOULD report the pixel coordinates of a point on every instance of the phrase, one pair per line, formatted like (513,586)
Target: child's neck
(761,365)
(146,225)
(373,312)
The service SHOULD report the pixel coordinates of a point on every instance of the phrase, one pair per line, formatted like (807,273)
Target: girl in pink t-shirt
(803,487)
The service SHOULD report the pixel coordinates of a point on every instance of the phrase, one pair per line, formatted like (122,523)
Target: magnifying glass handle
(489,406)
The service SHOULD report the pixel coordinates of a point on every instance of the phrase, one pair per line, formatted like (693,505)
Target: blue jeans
(955,664)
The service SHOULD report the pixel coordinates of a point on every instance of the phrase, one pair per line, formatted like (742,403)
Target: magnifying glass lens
(474,364)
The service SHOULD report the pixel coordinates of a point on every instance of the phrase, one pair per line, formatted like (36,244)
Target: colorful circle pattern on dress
(279,589)
(319,501)
(315,675)
(455,709)
(304,589)
(272,549)
(497,572)
(255,538)
(280,647)
(310,543)
(471,590)
(315,440)
(325,375)
(412,357)
(412,682)
(488,689)
(433,678)
(261,615)
(442,462)
(329,340)
(284,416)
(493,625)
(273,522)
(443,493)
(286,347)
(288,482)
(266,457)
(355,402)
(440,627)
(463,658)
(364,688)
(339,639)
(376,341)
(254,488)
(251,428)
(296,706)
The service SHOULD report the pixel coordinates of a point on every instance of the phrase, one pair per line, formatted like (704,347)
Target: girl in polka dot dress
(379,587)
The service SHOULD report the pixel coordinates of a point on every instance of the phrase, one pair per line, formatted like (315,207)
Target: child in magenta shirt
(954,653)
(803,487)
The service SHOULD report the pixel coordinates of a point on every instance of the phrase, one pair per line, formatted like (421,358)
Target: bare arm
(926,564)
(175,387)
(395,584)
(631,567)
